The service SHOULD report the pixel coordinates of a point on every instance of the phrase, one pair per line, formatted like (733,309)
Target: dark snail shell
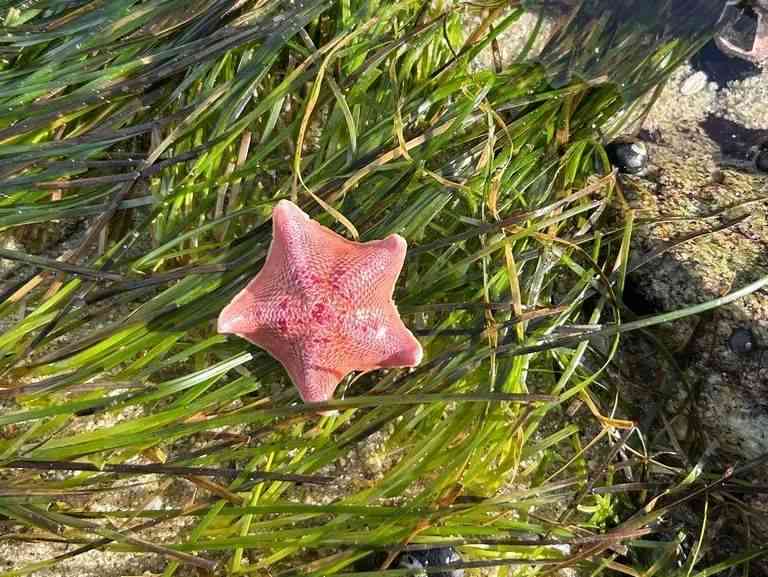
(742,341)
(761,158)
(628,156)
(416,559)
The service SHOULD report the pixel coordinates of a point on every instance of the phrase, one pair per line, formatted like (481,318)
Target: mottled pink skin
(322,305)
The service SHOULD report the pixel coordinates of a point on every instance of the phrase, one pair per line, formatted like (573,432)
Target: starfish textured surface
(322,305)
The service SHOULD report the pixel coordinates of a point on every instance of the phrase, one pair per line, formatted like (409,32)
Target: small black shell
(742,341)
(416,559)
(629,156)
(761,158)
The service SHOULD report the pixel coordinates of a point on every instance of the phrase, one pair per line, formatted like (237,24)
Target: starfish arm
(243,315)
(318,368)
(400,346)
(254,306)
(300,246)
(368,272)
(377,338)
(317,384)
(315,371)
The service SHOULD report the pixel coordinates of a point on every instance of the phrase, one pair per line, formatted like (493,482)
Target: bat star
(322,305)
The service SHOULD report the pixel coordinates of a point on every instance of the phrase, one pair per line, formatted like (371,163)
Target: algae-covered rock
(703,232)
(712,223)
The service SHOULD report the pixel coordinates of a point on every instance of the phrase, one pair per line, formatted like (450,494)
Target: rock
(711,384)
(740,147)
(721,68)
(712,348)
(745,33)
(696,82)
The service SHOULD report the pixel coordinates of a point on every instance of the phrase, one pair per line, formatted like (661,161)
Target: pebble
(742,341)
(695,83)
(761,158)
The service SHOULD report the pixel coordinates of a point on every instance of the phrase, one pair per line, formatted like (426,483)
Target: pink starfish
(322,305)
